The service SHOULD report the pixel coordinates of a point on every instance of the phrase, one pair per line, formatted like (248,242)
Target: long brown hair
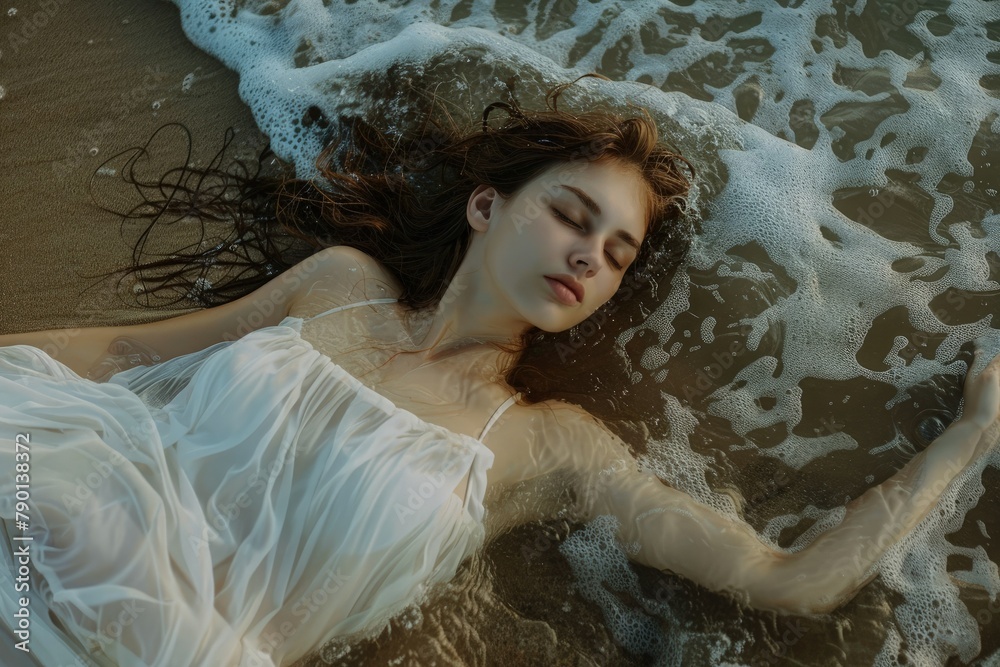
(377,193)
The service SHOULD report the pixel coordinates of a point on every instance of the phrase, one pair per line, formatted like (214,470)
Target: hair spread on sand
(379,197)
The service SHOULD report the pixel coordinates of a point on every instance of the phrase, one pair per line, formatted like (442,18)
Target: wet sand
(79,77)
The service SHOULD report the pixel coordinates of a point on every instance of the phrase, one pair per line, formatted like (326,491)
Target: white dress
(240,505)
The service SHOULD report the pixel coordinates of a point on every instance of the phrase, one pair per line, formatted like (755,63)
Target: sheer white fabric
(241,505)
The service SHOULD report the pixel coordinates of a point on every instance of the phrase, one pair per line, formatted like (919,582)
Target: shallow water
(849,168)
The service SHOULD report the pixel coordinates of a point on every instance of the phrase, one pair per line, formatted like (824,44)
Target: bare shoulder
(355,268)
(560,415)
(556,435)
(340,275)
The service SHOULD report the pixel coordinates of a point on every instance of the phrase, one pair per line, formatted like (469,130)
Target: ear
(479,210)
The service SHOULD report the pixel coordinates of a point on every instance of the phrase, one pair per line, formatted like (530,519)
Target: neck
(439,332)
(468,317)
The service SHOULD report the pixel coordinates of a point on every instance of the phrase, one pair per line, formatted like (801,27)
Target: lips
(572,283)
(570,293)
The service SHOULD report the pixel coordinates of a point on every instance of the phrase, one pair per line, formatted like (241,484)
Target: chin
(563,319)
(557,327)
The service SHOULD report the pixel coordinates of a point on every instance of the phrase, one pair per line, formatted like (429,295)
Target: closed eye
(564,217)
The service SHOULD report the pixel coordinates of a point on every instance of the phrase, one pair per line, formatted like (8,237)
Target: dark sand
(79,76)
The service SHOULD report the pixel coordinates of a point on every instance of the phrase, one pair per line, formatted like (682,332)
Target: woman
(242,484)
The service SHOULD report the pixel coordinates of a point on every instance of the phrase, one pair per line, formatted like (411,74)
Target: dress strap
(496,415)
(350,305)
(499,411)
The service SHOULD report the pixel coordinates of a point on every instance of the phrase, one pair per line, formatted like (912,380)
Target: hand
(122,354)
(982,393)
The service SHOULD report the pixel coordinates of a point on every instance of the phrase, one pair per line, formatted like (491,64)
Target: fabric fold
(240,505)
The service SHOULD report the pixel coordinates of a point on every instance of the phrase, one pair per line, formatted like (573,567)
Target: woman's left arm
(672,531)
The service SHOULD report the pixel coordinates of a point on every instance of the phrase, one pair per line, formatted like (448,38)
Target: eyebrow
(596,210)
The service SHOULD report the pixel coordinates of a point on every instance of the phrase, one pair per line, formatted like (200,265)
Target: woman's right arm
(99,352)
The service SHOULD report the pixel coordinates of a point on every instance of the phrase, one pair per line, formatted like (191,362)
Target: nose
(589,257)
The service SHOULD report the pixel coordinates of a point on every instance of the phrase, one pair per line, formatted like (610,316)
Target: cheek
(532,243)
(512,255)
(549,234)
(609,289)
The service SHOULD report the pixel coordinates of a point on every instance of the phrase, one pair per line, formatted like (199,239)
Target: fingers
(136,352)
(981,393)
(970,379)
(123,353)
(103,371)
